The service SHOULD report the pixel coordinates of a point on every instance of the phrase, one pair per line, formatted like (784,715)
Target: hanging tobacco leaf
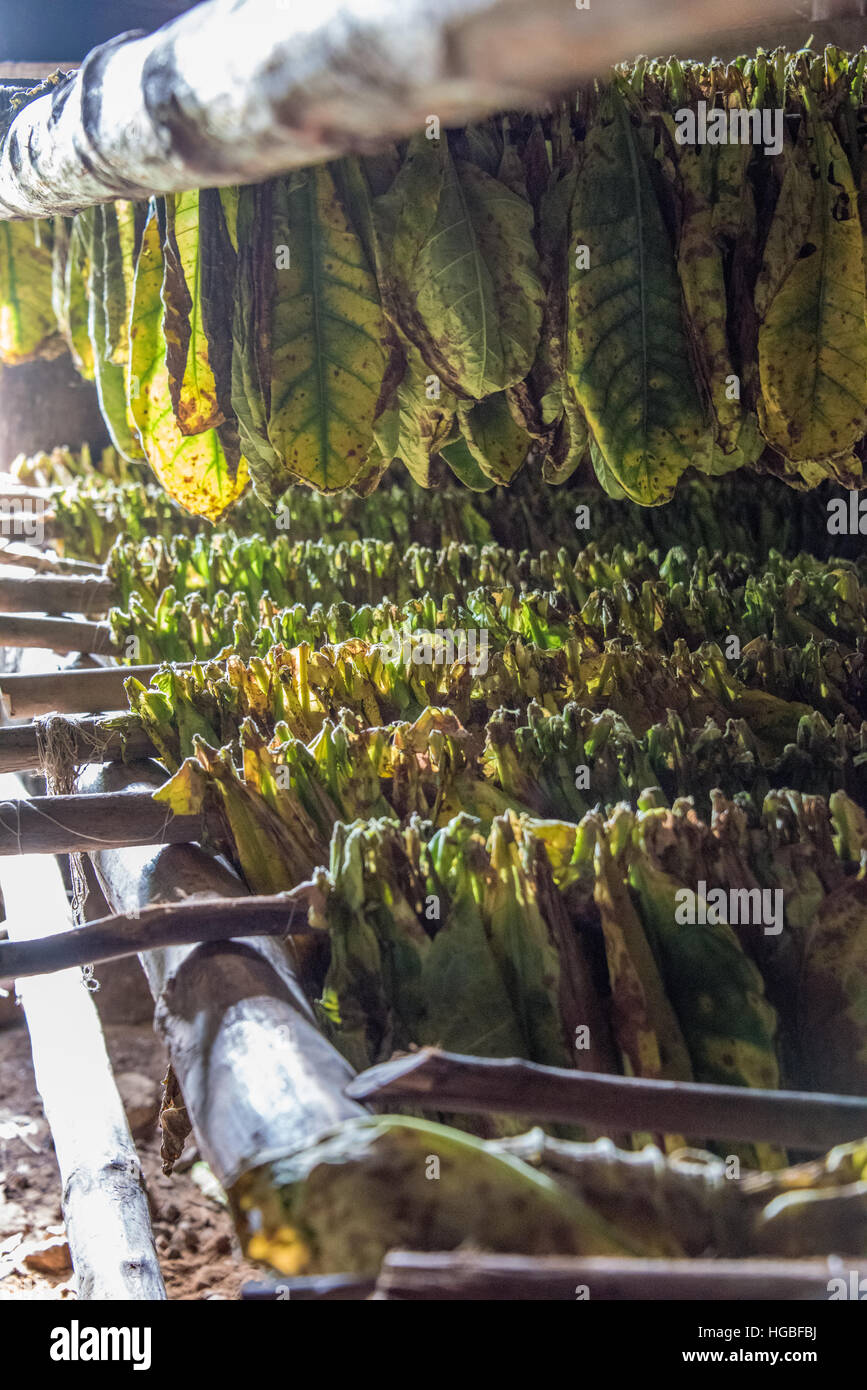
(328,338)
(194,469)
(810,298)
(497,443)
(71,287)
(628,360)
(120,251)
(192,382)
(460,274)
(109,376)
(28,328)
(248,214)
(716,206)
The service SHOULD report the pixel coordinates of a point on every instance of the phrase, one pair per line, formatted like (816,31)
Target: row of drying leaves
(454,258)
(663,978)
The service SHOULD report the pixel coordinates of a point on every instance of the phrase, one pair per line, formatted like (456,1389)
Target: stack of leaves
(621,876)
(363,1189)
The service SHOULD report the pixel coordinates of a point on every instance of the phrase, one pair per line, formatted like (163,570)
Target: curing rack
(151,114)
(216,969)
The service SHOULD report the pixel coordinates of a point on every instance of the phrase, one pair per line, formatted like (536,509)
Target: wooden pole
(470,1276)
(89,743)
(70,692)
(54,594)
(258,1078)
(74,824)
(104,1201)
(447,1081)
(294,87)
(28,557)
(62,635)
(164,924)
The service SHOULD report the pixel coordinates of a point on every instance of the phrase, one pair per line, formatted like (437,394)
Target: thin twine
(94,839)
(56,751)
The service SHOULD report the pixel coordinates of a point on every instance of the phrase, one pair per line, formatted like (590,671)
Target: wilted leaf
(627,354)
(109,375)
(460,270)
(28,328)
(192,384)
(832,1002)
(192,468)
(810,298)
(497,443)
(71,287)
(328,357)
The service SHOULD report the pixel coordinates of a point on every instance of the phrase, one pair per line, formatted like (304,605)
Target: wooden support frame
(471,1276)
(152,928)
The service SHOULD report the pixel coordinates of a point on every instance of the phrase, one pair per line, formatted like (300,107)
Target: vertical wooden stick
(104,1201)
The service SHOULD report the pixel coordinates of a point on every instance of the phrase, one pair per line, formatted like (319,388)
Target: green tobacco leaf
(251,332)
(460,271)
(192,382)
(119,269)
(193,469)
(497,443)
(627,354)
(328,337)
(109,376)
(421,417)
(832,1000)
(707,174)
(810,298)
(71,294)
(28,327)
(464,466)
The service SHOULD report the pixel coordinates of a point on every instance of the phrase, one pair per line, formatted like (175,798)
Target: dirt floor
(199,1254)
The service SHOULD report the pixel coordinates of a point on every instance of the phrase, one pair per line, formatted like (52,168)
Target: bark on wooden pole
(163,924)
(448,1081)
(258,1078)
(27,557)
(54,594)
(76,824)
(104,1201)
(70,692)
(237,92)
(467,1275)
(62,635)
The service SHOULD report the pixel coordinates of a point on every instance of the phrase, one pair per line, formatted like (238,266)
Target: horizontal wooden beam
(53,594)
(151,928)
(28,557)
(74,824)
(436,1080)
(238,93)
(468,1275)
(89,691)
(61,635)
(20,745)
